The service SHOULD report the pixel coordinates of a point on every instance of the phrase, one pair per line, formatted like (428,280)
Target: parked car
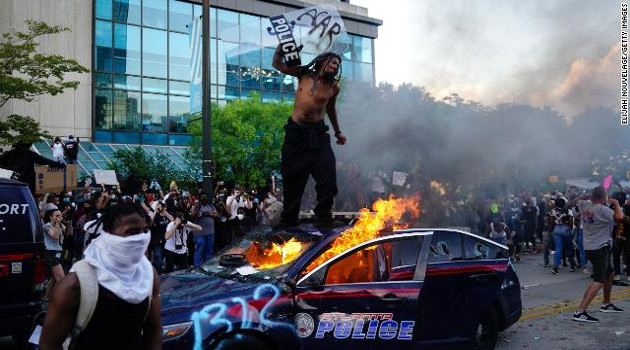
(22,268)
(406,289)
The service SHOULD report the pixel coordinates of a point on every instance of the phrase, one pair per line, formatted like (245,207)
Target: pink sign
(607,181)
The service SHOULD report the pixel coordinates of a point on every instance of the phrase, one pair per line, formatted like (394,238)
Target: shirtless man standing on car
(306,150)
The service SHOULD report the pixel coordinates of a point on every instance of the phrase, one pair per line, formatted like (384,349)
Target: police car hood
(185,292)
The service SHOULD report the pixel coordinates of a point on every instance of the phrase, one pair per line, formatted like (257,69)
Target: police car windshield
(261,253)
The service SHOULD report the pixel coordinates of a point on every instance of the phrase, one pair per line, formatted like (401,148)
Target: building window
(154,13)
(127,11)
(154,53)
(126,49)
(141,68)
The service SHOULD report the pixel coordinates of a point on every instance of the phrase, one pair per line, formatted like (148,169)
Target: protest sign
(48,179)
(317,29)
(399,178)
(105,177)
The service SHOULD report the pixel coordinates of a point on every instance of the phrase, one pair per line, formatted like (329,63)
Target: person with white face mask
(127,310)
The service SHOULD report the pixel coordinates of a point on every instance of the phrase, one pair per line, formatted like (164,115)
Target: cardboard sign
(48,179)
(399,178)
(317,29)
(105,177)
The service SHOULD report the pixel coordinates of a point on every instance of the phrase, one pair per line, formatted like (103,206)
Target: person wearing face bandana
(127,310)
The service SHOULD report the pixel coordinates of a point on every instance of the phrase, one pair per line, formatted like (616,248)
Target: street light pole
(206,114)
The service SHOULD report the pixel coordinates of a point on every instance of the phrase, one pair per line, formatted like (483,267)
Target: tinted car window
(475,249)
(384,262)
(445,246)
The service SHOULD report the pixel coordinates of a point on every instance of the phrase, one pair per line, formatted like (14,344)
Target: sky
(562,54)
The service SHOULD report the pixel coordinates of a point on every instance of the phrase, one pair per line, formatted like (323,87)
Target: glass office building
(141,78)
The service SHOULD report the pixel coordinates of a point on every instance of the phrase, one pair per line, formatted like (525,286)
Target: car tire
(242,342)
(487,331)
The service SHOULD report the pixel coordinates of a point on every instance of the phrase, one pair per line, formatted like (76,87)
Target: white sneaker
(586,271)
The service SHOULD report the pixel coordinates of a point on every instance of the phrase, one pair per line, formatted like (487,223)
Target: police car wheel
(242,342)
(487,331)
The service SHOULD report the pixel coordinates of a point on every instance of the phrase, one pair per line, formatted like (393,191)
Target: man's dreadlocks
(317,65)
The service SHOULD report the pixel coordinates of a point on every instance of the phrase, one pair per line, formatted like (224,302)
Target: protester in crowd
(176,245)
(206,214)
(71,149)
(57,148)
(497,228)
(238,199)
(160,218)
(127,310)
(578,237)
(561,226)
(621,246)
(597,222)
(53,239)
(529,214)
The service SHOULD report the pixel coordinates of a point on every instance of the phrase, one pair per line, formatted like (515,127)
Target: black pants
(621,247)
(307,151)
(175,261)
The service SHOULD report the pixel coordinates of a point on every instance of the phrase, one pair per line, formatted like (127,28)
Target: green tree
(26,74)
(247,138)
(145,166)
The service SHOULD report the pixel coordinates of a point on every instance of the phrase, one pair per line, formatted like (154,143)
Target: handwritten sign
(317,29)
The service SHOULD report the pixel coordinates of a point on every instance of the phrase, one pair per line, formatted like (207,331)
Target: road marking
(569,305)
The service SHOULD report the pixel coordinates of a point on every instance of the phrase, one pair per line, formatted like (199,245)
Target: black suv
(22,268)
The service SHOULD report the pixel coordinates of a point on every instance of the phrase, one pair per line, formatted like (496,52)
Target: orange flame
(387,213)
(275,256)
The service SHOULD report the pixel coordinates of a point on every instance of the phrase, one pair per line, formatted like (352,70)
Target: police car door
(366,297)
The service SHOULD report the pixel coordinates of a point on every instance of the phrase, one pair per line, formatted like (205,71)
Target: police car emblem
(304,325)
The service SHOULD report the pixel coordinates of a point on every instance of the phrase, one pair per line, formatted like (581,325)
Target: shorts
(602,266)
(52,258)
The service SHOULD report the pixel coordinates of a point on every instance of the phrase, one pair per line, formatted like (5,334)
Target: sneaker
(572,269)
(617,278)
(586,270)
(554,270)
(584,317)
(610,308)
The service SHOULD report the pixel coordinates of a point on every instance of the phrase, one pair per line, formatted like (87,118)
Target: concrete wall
(70,112)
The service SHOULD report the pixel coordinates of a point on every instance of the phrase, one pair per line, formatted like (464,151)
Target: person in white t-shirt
(176,251)
(57,150)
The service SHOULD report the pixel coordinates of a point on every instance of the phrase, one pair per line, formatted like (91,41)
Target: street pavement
(548,304)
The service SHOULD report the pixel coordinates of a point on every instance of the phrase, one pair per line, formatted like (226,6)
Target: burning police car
(307,288)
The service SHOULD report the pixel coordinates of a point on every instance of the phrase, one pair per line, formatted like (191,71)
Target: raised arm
(279,64)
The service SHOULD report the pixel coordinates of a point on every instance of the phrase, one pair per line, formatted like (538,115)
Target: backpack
(89,295)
